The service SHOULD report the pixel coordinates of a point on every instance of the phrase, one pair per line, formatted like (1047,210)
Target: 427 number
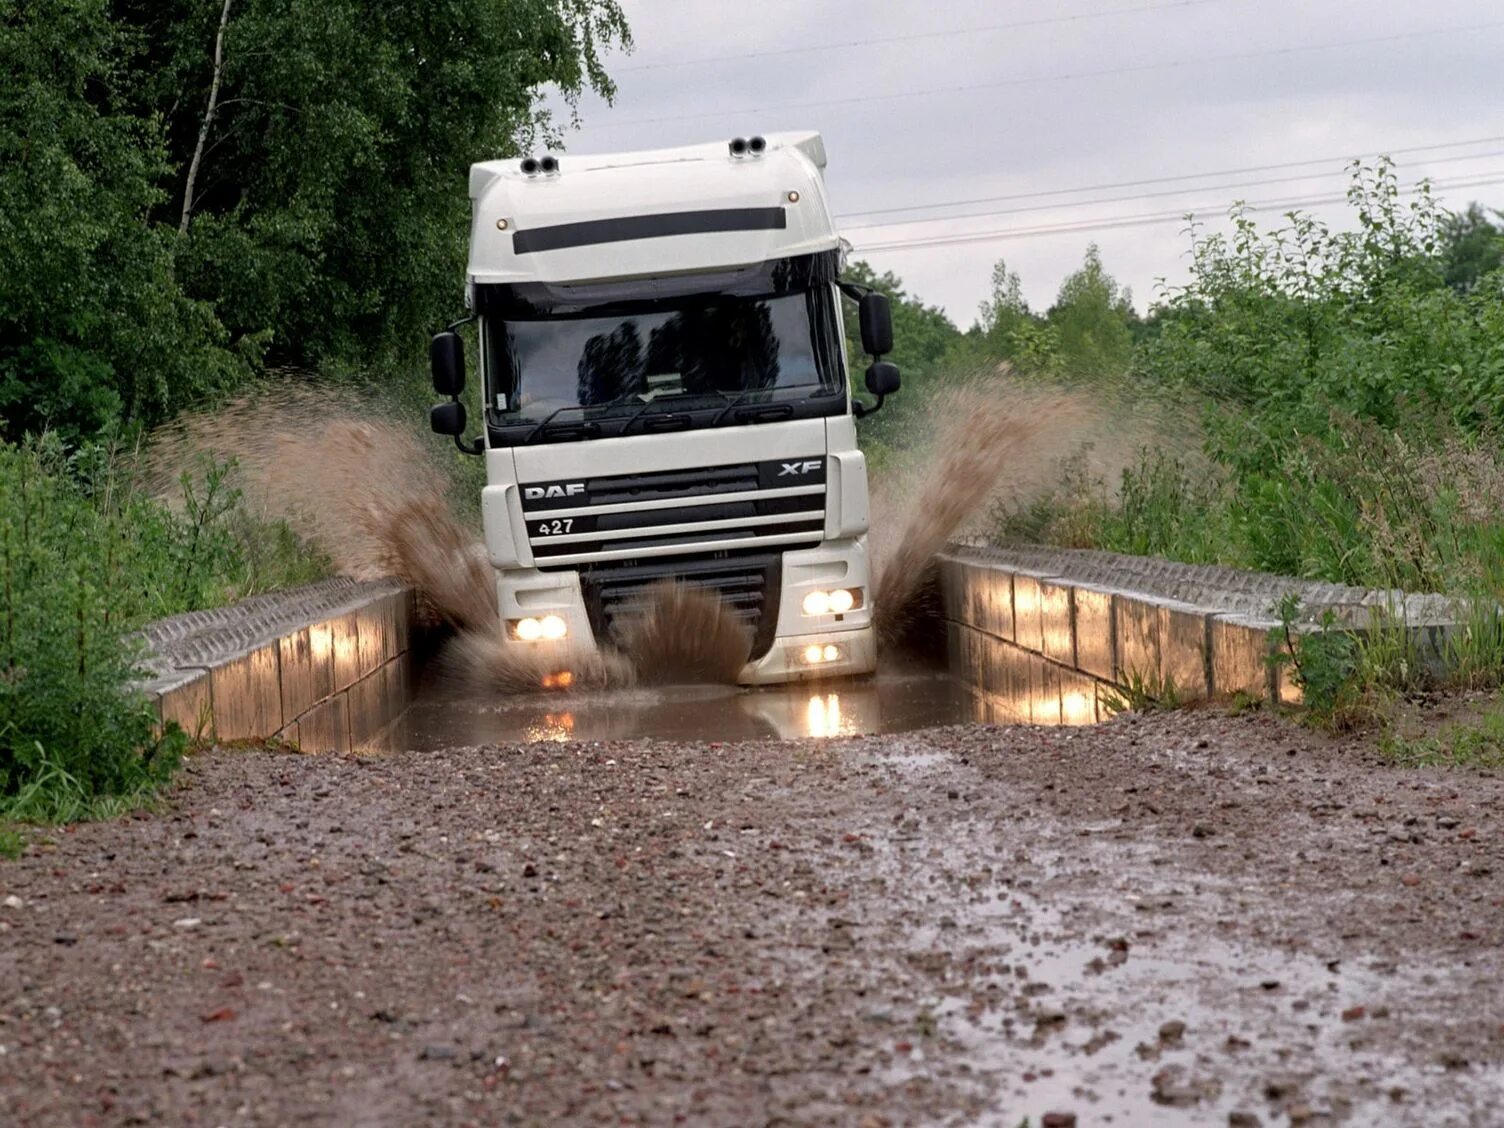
(555,528)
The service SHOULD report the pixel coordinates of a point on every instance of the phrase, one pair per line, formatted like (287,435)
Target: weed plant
(1470,744)
(86,558)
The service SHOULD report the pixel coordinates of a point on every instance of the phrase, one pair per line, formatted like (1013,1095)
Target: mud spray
(371,494)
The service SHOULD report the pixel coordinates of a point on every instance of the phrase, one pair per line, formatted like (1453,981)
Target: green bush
(85,558)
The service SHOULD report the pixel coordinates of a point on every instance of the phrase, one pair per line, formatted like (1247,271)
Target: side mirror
(877,324)
(448,419)
(882,378)
(446,356)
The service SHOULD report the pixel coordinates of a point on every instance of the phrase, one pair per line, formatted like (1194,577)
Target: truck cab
(664,396)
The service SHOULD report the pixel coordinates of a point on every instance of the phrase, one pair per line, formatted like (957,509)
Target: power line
(1137,220)
(1163,179)
(1139,196)
(1067,76)
(1041,22)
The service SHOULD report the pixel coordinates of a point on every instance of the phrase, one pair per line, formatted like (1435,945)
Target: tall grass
(85,558)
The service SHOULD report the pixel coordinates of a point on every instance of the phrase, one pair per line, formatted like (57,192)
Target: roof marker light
(738,146)
(757,144)
(530,166)
(549,165)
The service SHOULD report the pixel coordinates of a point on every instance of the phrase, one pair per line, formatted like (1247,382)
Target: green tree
(1001,314)
(94,325)
(921,333)
(328,214)
(1093,319)
(190,187)
(1472,247)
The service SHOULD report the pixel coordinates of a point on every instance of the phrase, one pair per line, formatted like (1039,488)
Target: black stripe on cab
(594,231)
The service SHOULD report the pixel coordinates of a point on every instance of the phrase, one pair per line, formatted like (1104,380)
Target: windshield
(693,354)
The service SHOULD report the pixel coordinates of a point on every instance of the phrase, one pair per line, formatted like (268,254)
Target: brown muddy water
(447,712)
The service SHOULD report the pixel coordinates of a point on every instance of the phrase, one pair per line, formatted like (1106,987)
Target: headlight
(549,627)
(836,602)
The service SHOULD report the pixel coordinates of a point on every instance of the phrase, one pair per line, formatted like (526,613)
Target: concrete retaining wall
(1042,635)
(325,667)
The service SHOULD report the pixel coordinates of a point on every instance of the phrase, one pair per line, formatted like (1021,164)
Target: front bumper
(784,661)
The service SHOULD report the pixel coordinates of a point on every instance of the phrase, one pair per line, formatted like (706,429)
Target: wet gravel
(1192,919)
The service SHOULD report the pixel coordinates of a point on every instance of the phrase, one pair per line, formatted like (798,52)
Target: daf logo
(797,468)
(540,493)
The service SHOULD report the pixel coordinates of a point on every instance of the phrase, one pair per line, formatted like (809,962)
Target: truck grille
(632,517)
(718,528)
(747,584)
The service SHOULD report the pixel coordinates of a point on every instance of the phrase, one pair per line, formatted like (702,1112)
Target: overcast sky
(1075,94)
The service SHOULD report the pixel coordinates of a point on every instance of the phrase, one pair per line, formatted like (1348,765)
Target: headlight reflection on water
(823,716)
(556,727)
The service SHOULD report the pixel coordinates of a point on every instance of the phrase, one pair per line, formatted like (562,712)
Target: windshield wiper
(732,403)
(549,418)
(537,430)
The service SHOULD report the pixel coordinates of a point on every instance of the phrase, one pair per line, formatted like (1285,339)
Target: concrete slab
(295,656)
(1094,631)
(1056,630)
(372,708)
(375,636)
(997,604)
(1136,631)
(1078,698)
(1239,654)
(344,642)
(1185,650)
(1044,692)
(1028,630)
(326,727)
(186,699)
(247,695)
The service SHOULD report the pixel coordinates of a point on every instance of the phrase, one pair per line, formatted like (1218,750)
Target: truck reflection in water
(445,714)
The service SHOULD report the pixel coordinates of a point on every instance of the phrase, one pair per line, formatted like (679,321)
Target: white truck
(665,396)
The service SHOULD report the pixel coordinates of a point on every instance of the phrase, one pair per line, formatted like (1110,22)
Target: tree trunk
(203,132)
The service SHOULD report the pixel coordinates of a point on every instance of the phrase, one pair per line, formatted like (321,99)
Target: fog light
(550,628)
(818,653)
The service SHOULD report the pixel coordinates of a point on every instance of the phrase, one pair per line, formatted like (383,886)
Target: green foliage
(1092,320)
(327,219)
(1141,693)
(923,337)
(1321,663)
(85,558)
(93,325)
(1476,743)
(1473,248)
(67,729)
(1303,324)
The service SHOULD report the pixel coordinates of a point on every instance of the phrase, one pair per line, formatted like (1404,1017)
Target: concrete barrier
(325,667)
(1046,635)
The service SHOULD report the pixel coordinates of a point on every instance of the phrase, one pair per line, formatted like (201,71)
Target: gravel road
(1189,919)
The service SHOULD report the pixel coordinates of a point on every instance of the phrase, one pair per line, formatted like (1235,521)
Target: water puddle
(446,712)
(1066,979)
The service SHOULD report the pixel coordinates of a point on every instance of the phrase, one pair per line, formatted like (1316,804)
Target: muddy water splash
(685,634)
(987,440)
(368,492)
